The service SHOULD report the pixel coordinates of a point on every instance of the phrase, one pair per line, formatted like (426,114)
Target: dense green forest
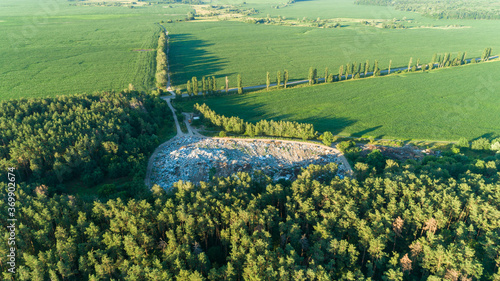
(90,137)
(448,9)
(434,220)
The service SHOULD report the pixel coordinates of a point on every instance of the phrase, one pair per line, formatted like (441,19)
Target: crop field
(49,47)
(226,48)
(439,105)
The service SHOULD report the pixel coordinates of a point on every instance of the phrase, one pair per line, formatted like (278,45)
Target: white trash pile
(196,159)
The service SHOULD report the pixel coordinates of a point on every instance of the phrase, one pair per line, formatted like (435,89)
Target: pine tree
(367,67)
(315,75)
(240,87)
(227,84)
(409,64)
(285,77)
(268,80)
(341,72)
(326,75)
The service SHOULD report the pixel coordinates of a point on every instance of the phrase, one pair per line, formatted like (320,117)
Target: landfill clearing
(196,159)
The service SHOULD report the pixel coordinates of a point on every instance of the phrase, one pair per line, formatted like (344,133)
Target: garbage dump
(196,159)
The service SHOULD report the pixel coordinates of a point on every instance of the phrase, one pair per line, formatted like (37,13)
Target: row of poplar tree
(237,125)
(349,71)
(161,62)
(432,220)
(356,71)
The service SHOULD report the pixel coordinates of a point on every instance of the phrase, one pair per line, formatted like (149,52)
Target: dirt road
(193,132)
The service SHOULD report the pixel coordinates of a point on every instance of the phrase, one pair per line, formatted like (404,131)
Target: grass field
(50,47)
(223,48)
(440,105)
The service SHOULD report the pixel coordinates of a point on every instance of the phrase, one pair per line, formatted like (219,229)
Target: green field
(226,48)
(444,104)
(50,47)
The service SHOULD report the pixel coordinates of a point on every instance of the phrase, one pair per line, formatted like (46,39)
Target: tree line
(352,70)
(161,62)
(356,70)
(86,137)
(238,126)
(442,9)
(437,219)
(208,86)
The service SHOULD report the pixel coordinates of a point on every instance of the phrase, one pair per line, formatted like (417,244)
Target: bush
(481,144)
(222,134)
(106,190)
(345,145)
(463,142)
(495,145)
(328,138)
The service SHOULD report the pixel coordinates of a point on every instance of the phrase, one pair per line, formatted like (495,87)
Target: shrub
(345,145)
(463,142)
(481,144)
(495,145)
(107,190)
(222,134)
(328,138)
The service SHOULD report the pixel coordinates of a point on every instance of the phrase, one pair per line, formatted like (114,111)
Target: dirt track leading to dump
(213,153)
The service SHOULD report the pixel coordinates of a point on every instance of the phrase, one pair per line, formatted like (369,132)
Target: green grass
(50,49)
(225,48)
(445,104)
(54,48)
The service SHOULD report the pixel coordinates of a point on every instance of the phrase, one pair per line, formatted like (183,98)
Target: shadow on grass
(188,58)
(366,131)
(489,136)
(236,105)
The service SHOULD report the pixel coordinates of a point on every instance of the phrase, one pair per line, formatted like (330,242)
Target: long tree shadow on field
(188,58)
(252,112)
(488,136)
(366,131)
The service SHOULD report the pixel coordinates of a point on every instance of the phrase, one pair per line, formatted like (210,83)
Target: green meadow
(443,104)
(228,48)
(49,47)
